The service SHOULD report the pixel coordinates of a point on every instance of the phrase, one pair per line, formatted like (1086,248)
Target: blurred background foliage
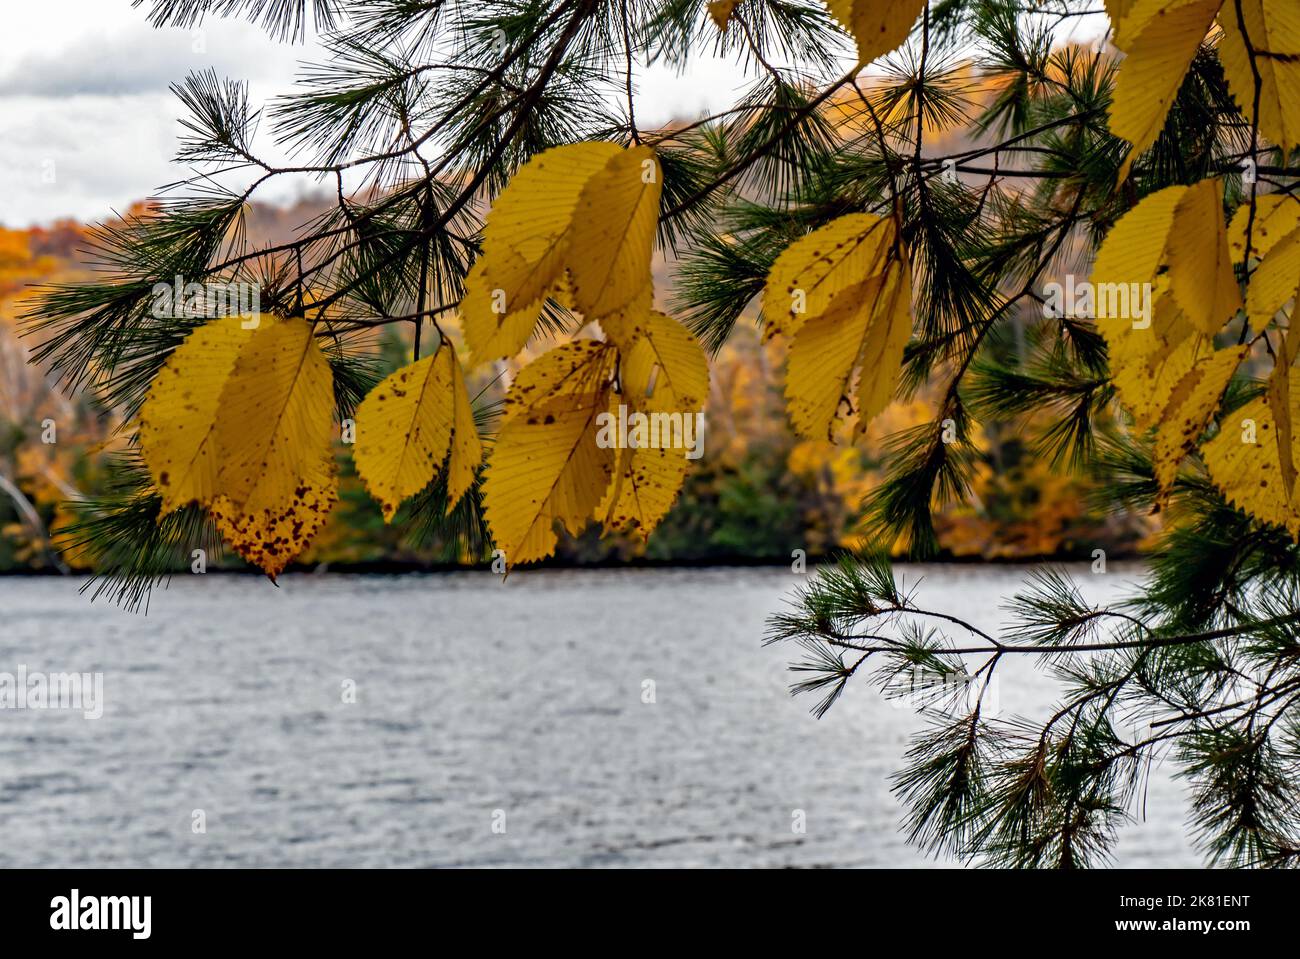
(757,494)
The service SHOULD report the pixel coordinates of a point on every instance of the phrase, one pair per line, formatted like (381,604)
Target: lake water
(494,725)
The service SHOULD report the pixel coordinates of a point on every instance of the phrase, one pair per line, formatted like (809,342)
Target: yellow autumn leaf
(878,26)
(466,446)
(576,223)
(624,327)
(404,430)
(274,426)
(646,482)
(271,439)
(1117,11)
(492,332)
(1161,38)
(1133,251)
(1190,408)
(866,329)
(662,370)
(1200,266)
(1129,341)
(1276,215)
(1146,383)
(1131,260)
(526,233)
(270,538)
(1275,280)
(239,419)
(546,464)
(525,248)
(1134,18)
(812,271)
(179,415)
(662,367)
(1151,256)
(1273,31)
(613,233)
(1280,388)
(1242,461)
(580,366)
(720,11)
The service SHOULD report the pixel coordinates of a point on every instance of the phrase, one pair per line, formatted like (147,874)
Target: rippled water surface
(476,703)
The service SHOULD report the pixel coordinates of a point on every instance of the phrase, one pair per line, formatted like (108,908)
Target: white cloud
(87,124)
(132,57)
(82,159)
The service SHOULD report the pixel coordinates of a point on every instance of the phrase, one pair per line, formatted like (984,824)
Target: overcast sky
(87,124)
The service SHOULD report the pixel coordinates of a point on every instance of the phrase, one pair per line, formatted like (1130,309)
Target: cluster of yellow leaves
(842,296)
(1166,368)
(239,420)
(577,225)
(1160,38)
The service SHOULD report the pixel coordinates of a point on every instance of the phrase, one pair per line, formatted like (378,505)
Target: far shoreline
(402,567)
